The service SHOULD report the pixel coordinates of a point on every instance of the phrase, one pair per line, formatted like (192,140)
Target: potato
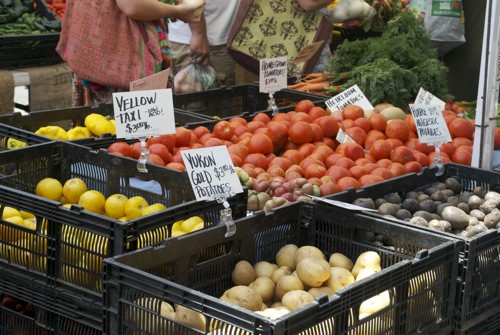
(340,260)
(265,287)
(339,278)
(286,284)
(364,202)
(308,251)
(264,269)
(274,313)
(319,291)
(375,304)
(243,296)
(368,259)
(296,299)
(492,219)
(243,273)
(365,273)
(488,205)
(166,309)
(279,272)
(456,217)
(313,271)
(190,318)
(286,256)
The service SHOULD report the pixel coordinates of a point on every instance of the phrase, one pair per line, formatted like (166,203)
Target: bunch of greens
(392,67)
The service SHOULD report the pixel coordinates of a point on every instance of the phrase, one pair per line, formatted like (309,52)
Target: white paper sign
(144,113)
(273,74)
(342,137)
(211,172)
(430,123)
(350,96)
(426,98)
(342,204)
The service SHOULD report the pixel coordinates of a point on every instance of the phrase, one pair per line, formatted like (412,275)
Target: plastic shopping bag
(444,21)
(195,78)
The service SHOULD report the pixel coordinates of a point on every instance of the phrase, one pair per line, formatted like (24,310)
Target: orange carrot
(314,87)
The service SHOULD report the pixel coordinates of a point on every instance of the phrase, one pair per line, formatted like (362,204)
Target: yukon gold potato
(339,278)
(286,256)
(340,260)
(365,273)
(274,313)
(281,271)
(166,309)
(243,273)
(319,291)
(264,269)
(264,286)
(190,318)
(375,304)
(296,299)
(308,251)
(243,296)
(313,271)
(368,259)
(286,284)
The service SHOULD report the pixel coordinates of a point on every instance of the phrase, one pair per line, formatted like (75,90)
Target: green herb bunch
(391,68)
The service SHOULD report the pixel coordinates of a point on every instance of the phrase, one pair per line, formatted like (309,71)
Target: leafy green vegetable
(382,80)
(407,52)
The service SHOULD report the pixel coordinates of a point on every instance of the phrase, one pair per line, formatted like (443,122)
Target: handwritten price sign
(211,172)
(273,74)
(144,113)
(430,123)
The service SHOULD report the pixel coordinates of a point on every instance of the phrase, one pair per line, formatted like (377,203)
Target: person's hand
(186,12)
(199,49)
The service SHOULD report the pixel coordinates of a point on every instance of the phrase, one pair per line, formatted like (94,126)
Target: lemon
(93,201)
(25,215)
(178,233)
(114,206)
(49,188)
(199,226)
(72,190)
(177,226)
(10,212)
(189,224)
(123,219)
(156,207)
(30,223)
(16,219)
(134,207)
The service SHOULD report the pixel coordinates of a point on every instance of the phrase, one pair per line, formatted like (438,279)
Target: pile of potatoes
(445,206)
(299,275)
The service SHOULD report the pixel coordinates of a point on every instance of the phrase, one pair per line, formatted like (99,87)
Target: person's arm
(149,10)
(313,5)
(199,47)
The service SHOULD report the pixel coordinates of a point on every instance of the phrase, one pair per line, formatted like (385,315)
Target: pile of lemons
(189,225)
(116,206)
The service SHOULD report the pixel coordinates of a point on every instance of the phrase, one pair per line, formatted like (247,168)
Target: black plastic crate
(66,250)
(11,133)
(235,100)
(489,326)
(75,116)
(195,270)
(29,50)
(40,321)
(478,295)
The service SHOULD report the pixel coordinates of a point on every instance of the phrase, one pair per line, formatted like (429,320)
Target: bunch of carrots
(57,6)
(315,83)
